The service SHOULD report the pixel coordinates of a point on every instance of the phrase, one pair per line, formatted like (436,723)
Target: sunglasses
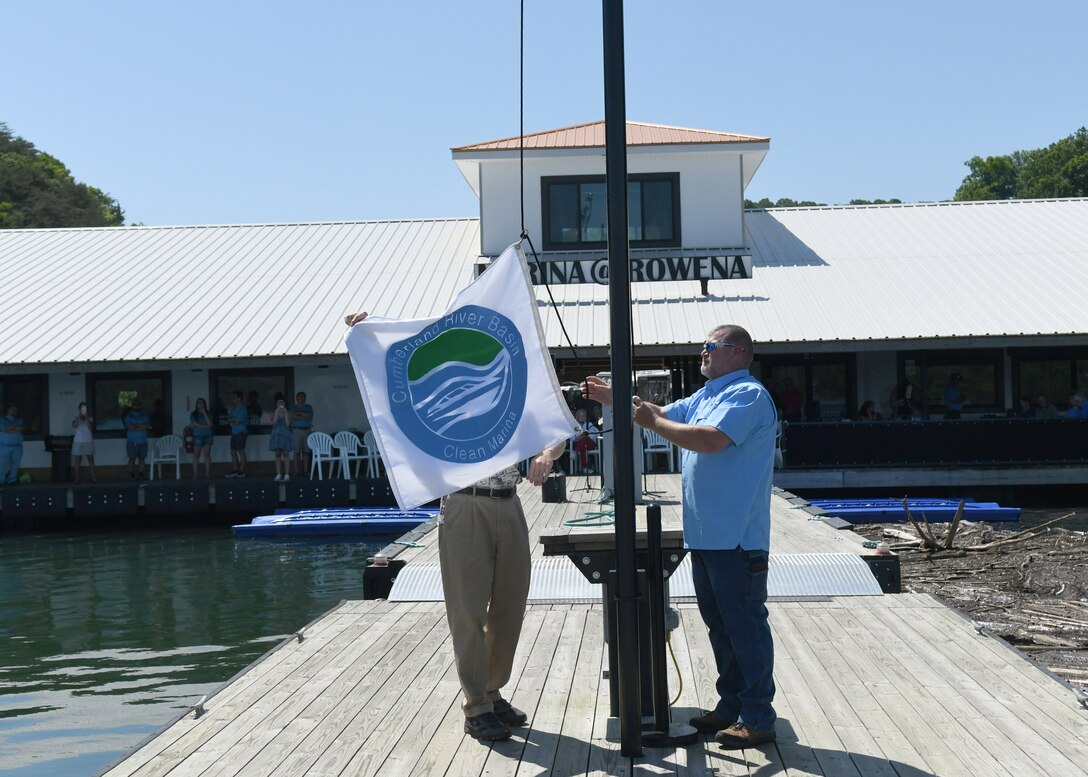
(711,346)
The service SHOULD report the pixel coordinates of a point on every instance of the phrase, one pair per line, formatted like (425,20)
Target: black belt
(494,493)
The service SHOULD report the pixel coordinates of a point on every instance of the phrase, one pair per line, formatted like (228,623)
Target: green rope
(409,543)
(595,518)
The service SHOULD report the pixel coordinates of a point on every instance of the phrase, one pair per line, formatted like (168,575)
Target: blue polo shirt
(11,438)
(239,419)
(302,423)
(136,417)
(953,398)
(727,495)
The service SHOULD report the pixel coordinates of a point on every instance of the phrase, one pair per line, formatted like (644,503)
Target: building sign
(643,269)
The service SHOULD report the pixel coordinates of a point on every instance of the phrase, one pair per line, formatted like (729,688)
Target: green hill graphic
(458,345)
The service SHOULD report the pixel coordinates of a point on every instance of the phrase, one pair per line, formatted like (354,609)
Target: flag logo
(458,396)
(457,387)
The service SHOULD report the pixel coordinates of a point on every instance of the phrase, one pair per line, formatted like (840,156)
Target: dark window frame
(545,203)
(92,398)
(42,391)
(766,365)
(941,361)
(1069,354)
(287,373)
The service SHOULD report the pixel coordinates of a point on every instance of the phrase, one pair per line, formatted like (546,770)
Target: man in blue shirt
(1078,408)
(136,423)
(954,398)
(302,423)
(11,446)
(239,433)
(726,432)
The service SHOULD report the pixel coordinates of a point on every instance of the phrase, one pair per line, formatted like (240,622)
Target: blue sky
(252,112)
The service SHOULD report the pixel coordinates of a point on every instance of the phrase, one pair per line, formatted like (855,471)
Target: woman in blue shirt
(201,422)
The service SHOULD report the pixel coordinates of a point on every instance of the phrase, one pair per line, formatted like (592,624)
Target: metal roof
(211,292)
(873,273)
(822,275)
(591,135)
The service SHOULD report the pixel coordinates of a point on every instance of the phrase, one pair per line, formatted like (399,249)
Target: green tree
(37,190)
(1059,170)
(782,202)
(992,178)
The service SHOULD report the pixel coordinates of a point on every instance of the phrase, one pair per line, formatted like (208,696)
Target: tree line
(1059,170)
(37,190)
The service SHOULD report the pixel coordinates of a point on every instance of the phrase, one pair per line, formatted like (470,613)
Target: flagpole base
(678,735)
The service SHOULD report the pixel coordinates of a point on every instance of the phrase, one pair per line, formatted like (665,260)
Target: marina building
(845,305)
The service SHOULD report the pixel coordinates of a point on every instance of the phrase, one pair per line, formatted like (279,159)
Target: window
(259,387)
(811,388)
(110,395)
(575,211)
(1056,374)
(28,393)
(982,372)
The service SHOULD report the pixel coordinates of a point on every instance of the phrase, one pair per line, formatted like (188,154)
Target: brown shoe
(710,723)
(739,736)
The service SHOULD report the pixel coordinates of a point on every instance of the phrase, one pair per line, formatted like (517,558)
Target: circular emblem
(457,387)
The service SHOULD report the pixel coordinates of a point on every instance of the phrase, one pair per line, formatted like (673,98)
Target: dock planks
(885,686)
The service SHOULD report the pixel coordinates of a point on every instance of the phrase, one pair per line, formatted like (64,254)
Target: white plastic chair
(166,448)
(320,445)
(574,461)
(373,455)
(652,443)
(349,446)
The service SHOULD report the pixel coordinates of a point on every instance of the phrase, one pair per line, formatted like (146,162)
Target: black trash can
(555,488)
(61,448)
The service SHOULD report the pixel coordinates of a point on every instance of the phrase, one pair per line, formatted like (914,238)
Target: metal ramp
(555,579)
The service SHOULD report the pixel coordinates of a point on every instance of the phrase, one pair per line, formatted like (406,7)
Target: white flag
(457,398)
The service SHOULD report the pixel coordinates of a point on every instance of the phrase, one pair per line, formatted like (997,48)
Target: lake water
(108,637)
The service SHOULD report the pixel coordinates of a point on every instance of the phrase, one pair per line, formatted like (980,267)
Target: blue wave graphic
(460,401)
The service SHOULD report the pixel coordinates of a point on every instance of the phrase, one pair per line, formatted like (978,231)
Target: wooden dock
(888,685)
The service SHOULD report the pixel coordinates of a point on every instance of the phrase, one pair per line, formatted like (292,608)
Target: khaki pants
(483,546)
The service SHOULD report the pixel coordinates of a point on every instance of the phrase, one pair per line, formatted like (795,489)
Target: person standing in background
(302,423)
(83,442)
(279,441)
(136,423)
(203,433)
(792,401)
(239,433)
(11,446)
(954,398)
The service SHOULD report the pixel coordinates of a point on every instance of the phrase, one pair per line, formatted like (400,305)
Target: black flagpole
(619,301)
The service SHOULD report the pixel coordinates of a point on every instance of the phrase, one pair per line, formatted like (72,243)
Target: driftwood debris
(1019,537)
(929,540)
